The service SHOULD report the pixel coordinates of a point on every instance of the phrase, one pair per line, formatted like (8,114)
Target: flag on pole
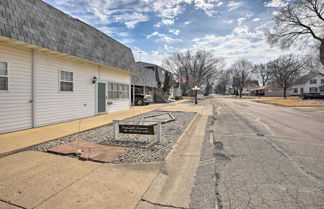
(181,79)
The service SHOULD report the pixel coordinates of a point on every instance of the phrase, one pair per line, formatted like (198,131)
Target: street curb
(172,154)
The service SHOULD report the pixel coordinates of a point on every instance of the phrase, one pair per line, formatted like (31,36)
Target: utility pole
(140,56)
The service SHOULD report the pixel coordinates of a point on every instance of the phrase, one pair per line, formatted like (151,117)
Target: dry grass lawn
(289,103)
(256,97)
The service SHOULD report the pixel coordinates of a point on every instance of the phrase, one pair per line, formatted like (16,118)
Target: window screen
(3,75)
(66,82)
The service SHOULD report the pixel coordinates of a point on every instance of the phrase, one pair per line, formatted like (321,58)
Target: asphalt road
(263,156)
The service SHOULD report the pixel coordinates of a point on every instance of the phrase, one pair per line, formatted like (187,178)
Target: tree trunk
(322,52)
(285,91)
(241,90)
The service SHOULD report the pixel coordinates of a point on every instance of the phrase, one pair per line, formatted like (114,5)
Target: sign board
(136,129)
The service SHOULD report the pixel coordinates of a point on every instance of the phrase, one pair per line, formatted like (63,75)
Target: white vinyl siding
(15,103)
(51,105)
(116,77)
(308,87)
(55,106)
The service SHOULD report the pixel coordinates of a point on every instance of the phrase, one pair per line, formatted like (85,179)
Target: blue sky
(232,29)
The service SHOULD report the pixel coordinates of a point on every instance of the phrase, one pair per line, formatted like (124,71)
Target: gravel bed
(141,148)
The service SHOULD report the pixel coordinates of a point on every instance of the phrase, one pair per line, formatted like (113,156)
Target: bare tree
(285,70)
(241,70)
(197,67)
(210,81)
(312,64)
(224,80)
(300,20)
(262,73)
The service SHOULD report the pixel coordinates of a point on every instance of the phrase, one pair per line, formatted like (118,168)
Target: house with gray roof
(151,79)
(56,68)
(271,90)
(310,83)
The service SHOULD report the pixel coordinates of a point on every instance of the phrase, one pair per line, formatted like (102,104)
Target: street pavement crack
(162,205)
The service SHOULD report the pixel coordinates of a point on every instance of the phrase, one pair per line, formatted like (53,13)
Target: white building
(250,84)
(58,68)
(310,83)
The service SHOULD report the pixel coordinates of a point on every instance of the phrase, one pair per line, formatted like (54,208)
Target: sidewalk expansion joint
(81,177)
(10,203)
(162,205)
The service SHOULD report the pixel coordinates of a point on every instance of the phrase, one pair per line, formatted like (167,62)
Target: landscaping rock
(140,148)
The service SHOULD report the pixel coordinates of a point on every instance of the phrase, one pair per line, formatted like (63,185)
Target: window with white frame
(3,76)
(118,91)
(322,81)
(66,81)
(312,89)
(313,81)
(295,90)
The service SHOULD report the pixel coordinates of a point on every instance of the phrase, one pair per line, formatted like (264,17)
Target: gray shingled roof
(267,87)
(37,23)
(144,77)
(306,78)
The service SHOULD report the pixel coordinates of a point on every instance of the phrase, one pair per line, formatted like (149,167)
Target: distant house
(55,68)
(268,91)
(150,79)
(251,84)
(310,83)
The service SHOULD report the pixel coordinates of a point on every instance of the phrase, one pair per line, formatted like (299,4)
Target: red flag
(182,79)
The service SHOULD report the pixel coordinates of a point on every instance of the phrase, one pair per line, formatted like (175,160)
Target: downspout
(33,89)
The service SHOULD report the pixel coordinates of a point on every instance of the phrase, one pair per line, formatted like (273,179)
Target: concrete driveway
(41,180)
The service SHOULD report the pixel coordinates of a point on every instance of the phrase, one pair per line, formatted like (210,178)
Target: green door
(101,97)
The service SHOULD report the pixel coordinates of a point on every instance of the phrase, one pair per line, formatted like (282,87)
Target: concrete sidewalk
(14,141)
(40,180)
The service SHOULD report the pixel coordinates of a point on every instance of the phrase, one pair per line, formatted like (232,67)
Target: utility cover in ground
(90,151)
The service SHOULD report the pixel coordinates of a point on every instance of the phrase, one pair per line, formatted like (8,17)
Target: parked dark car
(312,96)
(141,99)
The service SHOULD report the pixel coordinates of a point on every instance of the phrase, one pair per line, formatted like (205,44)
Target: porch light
(94,79)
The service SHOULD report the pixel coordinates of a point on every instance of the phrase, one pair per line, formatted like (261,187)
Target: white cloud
(174,31)
(240,20)
(276,3)
(228,21)
(241,43)
(274,13)
(153,34)
(187,22)
(256,19)
(208,6)
(167,21)
(163,37)
(232,5)
(131,19)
